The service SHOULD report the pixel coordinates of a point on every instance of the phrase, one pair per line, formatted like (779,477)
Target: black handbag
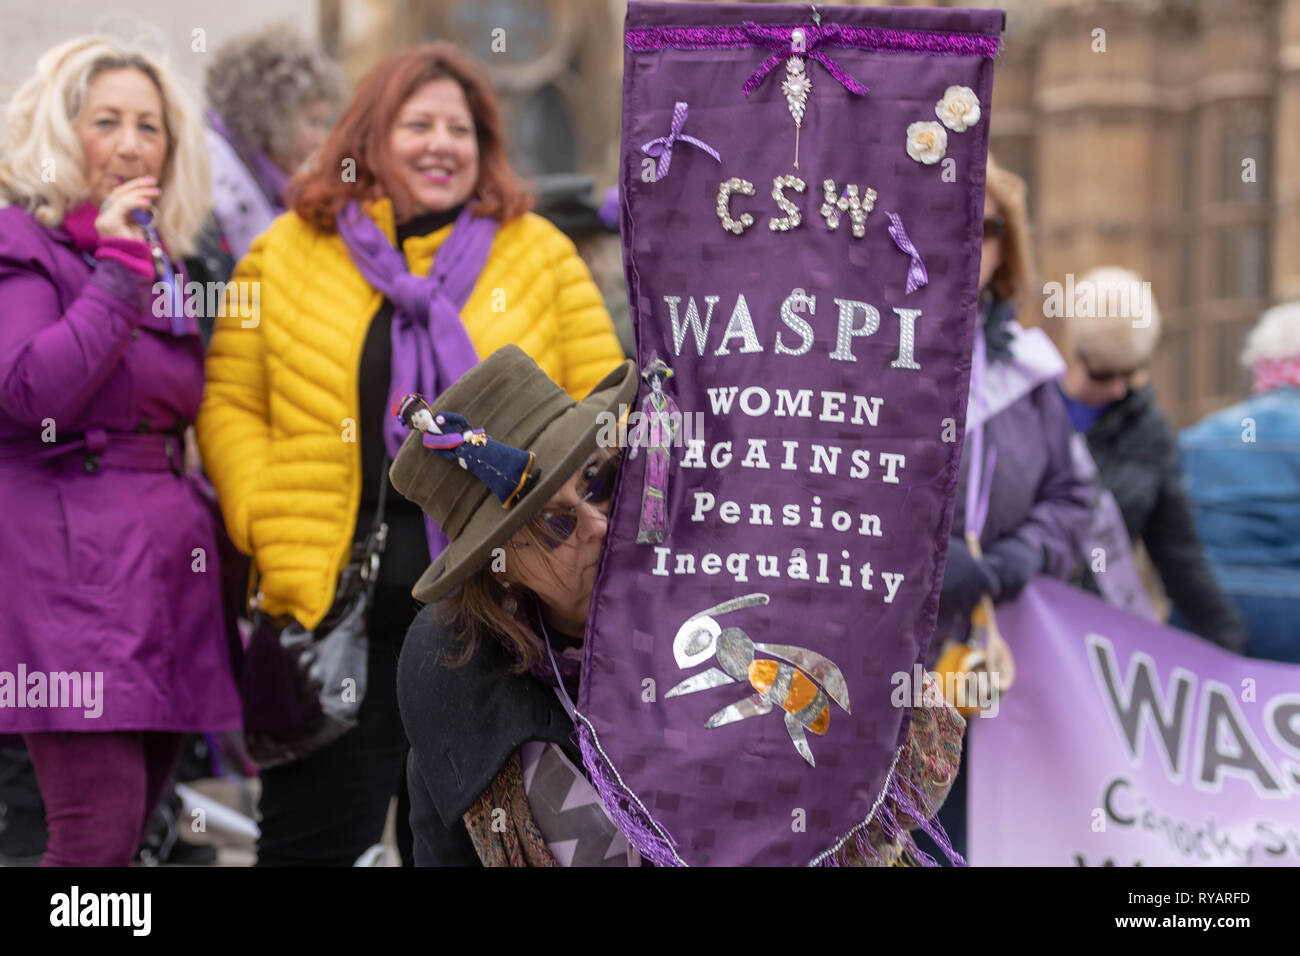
(303,689)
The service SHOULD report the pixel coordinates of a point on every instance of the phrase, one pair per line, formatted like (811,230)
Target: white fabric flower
(959,109)
(927,142)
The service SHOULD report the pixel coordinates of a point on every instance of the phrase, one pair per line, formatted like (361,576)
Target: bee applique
(801,682)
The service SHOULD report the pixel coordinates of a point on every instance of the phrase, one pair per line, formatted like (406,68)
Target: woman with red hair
(408,252)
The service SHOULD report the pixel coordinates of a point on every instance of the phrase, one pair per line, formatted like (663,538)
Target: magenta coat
(109,556)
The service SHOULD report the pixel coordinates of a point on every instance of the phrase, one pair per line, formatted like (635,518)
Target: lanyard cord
(979,476)
(561,690)
(163,266)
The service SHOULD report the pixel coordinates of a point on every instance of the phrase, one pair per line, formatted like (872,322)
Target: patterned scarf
(516,840)
(1277,373)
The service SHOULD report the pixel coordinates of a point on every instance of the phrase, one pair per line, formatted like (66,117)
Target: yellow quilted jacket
(278,426)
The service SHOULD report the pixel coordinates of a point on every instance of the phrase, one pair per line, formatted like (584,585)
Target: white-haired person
(272,98)
(1242,468)
(1111,340)
(111,597)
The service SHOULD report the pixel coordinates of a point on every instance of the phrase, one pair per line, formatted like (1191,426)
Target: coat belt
(101,448)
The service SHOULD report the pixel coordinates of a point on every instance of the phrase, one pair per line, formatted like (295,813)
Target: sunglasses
(995,227)
(556,527)
(1102,378)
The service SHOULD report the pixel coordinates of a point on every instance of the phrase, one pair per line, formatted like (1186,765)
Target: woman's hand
(1014,561)
(966,578)
(114,220)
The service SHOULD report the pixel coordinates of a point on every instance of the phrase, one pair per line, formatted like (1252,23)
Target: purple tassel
(626,811)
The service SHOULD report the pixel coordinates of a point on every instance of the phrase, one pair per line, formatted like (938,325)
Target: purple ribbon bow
(431,348)
(663,146)
(779,39)
(916,274)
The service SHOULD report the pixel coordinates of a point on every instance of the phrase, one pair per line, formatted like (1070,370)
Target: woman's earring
(508,603)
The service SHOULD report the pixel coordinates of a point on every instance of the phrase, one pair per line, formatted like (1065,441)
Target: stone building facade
(1163,136)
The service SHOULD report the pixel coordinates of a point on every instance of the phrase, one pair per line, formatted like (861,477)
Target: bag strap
(383,494)
(377,539)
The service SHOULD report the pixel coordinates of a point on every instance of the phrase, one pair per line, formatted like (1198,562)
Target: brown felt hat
(515,402)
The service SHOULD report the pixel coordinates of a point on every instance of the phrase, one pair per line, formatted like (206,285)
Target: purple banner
(1130,743)
(776,543)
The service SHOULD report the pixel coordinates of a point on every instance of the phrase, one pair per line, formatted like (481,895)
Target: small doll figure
(660,421)
(509,472)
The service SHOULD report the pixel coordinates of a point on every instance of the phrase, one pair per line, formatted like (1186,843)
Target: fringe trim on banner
(625,809)
(884,837)
(883,39)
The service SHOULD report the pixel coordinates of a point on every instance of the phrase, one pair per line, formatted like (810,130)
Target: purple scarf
(270,178)
(431,348)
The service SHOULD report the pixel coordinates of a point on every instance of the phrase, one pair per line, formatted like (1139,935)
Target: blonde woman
(113,615)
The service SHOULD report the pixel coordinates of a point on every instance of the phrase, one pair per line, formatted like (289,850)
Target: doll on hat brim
(509,472)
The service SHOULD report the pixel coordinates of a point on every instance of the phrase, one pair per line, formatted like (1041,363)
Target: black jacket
(1136,453)
(210,262)
(463,724)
